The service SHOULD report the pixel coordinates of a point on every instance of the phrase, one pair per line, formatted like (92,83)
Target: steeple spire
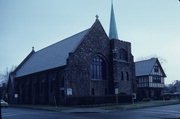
(112,29)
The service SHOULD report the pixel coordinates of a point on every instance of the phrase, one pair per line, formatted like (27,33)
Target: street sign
(69,91)
(16,95)
(134,96)
(116,91)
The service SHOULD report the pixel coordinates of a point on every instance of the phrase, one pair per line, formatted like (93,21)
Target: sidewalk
(86,110)
(110,108)
(99,108)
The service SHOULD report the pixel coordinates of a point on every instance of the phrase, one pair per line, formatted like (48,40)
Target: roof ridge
(48,57)
(145,60)
(26,58)
(62,40)
(145,67)
(56,54)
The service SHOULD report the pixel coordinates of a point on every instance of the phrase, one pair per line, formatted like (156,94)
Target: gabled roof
(143,68)
(50,57)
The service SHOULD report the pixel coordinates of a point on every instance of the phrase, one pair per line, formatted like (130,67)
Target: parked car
(3,103)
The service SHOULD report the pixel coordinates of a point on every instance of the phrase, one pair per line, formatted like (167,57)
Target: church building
(89,63)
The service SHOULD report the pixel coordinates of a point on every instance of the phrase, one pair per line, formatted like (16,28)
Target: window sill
(97,80)
(124,61)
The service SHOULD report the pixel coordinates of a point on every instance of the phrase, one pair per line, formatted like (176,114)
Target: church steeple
(112,29)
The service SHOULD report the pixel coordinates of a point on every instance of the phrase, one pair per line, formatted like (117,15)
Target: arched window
(123,55)
(98,69)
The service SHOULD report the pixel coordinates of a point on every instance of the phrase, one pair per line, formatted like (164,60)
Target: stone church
(89,63)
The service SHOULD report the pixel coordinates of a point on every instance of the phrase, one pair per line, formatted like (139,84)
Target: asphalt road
(163,112)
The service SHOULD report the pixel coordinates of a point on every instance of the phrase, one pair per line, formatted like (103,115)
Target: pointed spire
(112,29)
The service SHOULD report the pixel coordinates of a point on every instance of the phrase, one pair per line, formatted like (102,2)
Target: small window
(51,85)
(106,91)
(156,69)
(41,87)
(156,79)
(127,75)
(123,55)
(122,76)
(62,83)
(62,93)
(92,91)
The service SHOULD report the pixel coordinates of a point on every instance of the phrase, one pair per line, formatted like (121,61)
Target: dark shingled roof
(50,57)
(144,67)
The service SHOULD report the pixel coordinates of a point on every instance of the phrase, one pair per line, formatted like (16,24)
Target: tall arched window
(123,55)
(98,69)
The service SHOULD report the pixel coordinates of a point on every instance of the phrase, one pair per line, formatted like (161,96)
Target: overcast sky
(152,26)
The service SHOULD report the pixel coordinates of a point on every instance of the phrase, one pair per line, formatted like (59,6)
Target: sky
(152,27)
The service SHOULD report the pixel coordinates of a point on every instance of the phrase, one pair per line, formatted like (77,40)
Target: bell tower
(122,60)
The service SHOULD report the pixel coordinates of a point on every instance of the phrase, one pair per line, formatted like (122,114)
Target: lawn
(140,105)
(137,105)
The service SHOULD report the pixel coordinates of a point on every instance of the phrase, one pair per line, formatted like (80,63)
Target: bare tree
(4,76)
(161,59)
(170,88)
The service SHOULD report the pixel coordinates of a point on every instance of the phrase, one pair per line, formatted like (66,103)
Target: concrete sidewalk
(111,108)
(100,108)
(86,110)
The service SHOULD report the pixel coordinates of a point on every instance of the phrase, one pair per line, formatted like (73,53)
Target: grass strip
(43,107)
(138,105)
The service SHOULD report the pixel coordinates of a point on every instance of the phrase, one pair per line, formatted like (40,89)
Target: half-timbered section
(150,78)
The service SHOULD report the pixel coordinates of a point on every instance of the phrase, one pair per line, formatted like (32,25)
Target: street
(163,112)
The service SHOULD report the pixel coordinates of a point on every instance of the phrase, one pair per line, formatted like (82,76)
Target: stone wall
(95,43)
(123,69)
